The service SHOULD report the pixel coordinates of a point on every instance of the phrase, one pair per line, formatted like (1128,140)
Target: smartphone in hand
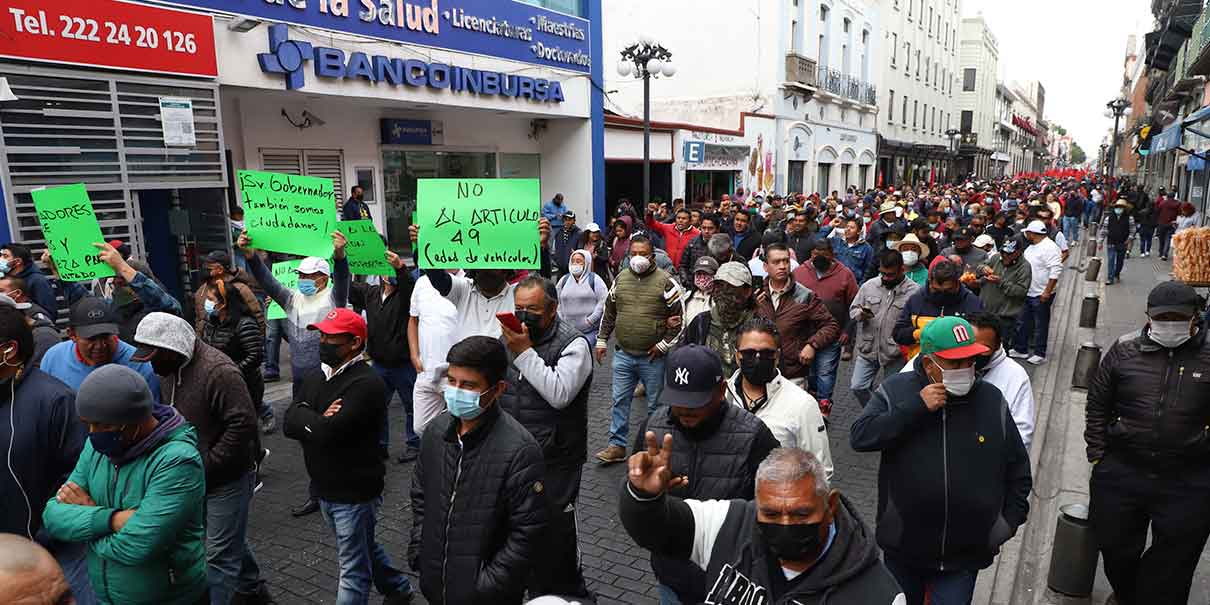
(510,321)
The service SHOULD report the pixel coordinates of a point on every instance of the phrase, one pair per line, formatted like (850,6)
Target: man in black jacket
(1148,406)
(548,383)
(798,542)
(482,468)
(945,437)
(745,238)
(337,415)
(697,248)
(16,260)
(1117,235)
(721,443)
(942,295)
(387,311)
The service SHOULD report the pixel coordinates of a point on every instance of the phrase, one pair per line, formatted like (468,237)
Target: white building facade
(917,99)
(979,58)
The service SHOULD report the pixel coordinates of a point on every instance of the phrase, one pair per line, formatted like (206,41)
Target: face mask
(1170,334)
(329,354)
(911,258)
(822,263)
(461,403)
(729,304)
(109,443)
(792,542)
(703,281)
(944,298)
(758,370)
(957,382)
(891,284)
(307,287)
(576,270)
(1119,211)
(488,281)
(640,264)
(533,321)
(983,361)
(4,266)
(211,307)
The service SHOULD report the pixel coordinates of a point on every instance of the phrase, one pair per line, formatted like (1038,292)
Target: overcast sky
(1074,47)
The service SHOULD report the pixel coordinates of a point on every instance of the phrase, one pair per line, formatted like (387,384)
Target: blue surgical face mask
(461,403)
(307,287)
(109,443)
(1119,211)
(211,307)
(4,266)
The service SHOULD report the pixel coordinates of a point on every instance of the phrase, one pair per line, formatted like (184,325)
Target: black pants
(557,569)
(1125,500)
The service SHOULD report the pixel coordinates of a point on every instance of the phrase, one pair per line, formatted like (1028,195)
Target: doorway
(401,169)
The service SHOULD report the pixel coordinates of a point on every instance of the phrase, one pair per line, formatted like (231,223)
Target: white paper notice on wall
(176,119)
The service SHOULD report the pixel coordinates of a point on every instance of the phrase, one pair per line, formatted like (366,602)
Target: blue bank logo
(290,57)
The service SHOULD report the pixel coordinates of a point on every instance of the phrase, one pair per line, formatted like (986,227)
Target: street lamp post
(1104,156)
(644,60)
(953,134)
(1119,106)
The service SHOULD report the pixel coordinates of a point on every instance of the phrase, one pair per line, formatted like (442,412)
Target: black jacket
(802,244)
(38,289)
(953,485)
(46,334)
(923,305)
(478,510)
(386,320)
(747,247)
(695,249)
(1151,404)
(740,568)
(240,339)
(341,451)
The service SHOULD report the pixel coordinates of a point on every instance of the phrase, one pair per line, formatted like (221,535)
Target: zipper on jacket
(449,515)
(945,474)
(113,501)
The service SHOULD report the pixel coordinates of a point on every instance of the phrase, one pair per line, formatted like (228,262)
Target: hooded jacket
(620,246)
(159,557)
(723,538)
(1018,391)
(38,288)
(238,283)
(582,299)
(302,310)
(953,485)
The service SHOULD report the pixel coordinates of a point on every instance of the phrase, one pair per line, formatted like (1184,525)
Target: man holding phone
(875,310)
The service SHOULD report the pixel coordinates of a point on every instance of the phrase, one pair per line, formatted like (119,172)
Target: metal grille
(325,163)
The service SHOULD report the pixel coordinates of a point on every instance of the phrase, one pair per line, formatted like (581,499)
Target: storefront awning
(1167,140)
(1198,116)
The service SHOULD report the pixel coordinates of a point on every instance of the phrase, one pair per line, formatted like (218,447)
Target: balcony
(846,86)
(801,70)
(969,139)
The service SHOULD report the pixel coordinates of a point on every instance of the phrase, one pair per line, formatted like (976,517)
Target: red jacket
(1168,208)
(836,289)
(674,241)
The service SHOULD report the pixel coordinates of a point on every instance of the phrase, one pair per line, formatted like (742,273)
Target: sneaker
(825,408)
(1015,354)
(268,424)
(612,454)
(1163,258)
(1145,254)
(1036,360)
(409,454)
(398,598)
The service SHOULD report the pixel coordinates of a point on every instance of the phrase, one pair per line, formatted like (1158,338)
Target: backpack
(592,281)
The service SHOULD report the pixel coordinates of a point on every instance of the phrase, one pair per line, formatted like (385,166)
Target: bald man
(29,575)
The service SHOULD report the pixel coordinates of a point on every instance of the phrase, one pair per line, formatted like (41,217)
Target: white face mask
(1170,334)
(957,382)
(576,269)
(640,264)
(911,258)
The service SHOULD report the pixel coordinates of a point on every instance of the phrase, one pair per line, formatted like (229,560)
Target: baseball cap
(984,240)
(1036,227)
(692,374)
(219,257)
(569,214)
(341,321)
(592,227)
(706,264)
(92,317)
(114,394)
(314,264)
(964,233)
(1173,297)
(734,273)
(950,337)
(163,331)
(1010,246)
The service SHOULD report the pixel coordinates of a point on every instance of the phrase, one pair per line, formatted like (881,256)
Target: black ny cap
(92,316)
(692,374)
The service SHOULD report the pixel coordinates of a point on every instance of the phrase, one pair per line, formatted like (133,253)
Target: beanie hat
(114,394)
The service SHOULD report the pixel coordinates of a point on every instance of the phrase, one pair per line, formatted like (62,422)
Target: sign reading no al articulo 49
(478,223)
(507,29)
(288,213)
(70,228)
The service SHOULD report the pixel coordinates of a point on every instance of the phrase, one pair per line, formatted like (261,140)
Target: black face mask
(944,298)
(792,542)
(981,362)
(704,429)
(489,281)
(822,263)
(329,354)
(891,284)
(758,370)
(533,321)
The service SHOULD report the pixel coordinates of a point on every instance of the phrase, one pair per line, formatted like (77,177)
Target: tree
(1077,154)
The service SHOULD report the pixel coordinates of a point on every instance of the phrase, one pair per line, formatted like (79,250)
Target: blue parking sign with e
(695,152)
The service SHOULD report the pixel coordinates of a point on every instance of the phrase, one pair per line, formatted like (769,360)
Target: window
(930,21)
(577,8)
(924,119)
(915,112)
(823,35)
(947,120)
(905,100)
(894,48)
(968,79)
(793,36)
(890,109)
(917,64)
(911,5)
(926,71)
(934,119)
(968,118)
(908,59)
(936,82)
(847,24)
(823,13)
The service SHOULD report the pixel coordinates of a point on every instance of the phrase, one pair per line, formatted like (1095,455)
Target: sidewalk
(1061,470)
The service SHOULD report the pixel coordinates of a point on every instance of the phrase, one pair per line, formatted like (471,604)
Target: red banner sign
(107,33)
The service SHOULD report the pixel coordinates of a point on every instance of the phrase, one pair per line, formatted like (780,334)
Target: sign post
(70,228)
(287,213)
(478,223)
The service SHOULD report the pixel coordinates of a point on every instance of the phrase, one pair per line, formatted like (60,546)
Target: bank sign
(507,29)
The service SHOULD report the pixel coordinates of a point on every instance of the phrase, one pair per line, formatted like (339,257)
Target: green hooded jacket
(159,556)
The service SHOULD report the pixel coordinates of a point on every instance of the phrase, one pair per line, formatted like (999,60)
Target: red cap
(342,321)
(116,243)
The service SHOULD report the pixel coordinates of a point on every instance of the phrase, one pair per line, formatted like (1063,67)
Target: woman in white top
(1189,217)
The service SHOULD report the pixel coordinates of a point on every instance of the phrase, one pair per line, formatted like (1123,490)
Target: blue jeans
(954,587)
(400,380)
(1035,323)
(1117,257)
(230,566)
(1071,228)
(72,557)
(1146,232)
(822,378)
(273,339)
(668,596)
(628,370)
(865,372)
(362,558)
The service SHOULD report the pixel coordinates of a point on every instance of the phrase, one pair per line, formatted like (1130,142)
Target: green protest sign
(70,228)
(285,272)
(478,223)
(287,213)
(365,251)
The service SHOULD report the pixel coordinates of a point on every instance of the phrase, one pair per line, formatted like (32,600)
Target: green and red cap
(950,338)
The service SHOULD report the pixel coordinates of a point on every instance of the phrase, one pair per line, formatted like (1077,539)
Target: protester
(915,420)
(888,221)
(797,540)
(696,249)
(231,328)
(217,268)
(804,324)
(565,240)
(1189,218)
(1167,209)
(581,295)
(45,331)
(356,208)
(548,387)
(1117,235)
(853,252)
(591,240)
(207,388)
(1046,266)
(554,211)
(703,284)
(799,238)
(482,467)
(644,305)
(722,443)
(1005,374)
(836,287)
(874,312)
(745,238)
(943,295)
(29,574)
(1146,435)
(92,328)
(731,298)
(914,256)
(791,414)
(1004,282)
(16,260)
(963,247)
(136,496)
(677,236)
(337,416)
(431,324)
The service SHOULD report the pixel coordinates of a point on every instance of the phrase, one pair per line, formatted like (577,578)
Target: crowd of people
(134,438)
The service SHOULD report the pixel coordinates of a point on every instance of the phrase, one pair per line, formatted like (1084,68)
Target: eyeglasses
(758,353)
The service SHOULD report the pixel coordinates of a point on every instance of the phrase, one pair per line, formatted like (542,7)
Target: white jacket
(792,415)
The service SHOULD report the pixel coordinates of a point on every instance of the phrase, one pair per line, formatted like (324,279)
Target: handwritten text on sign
(365,251)
(286,273)
(70,228)
(288,213)
(478,223)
